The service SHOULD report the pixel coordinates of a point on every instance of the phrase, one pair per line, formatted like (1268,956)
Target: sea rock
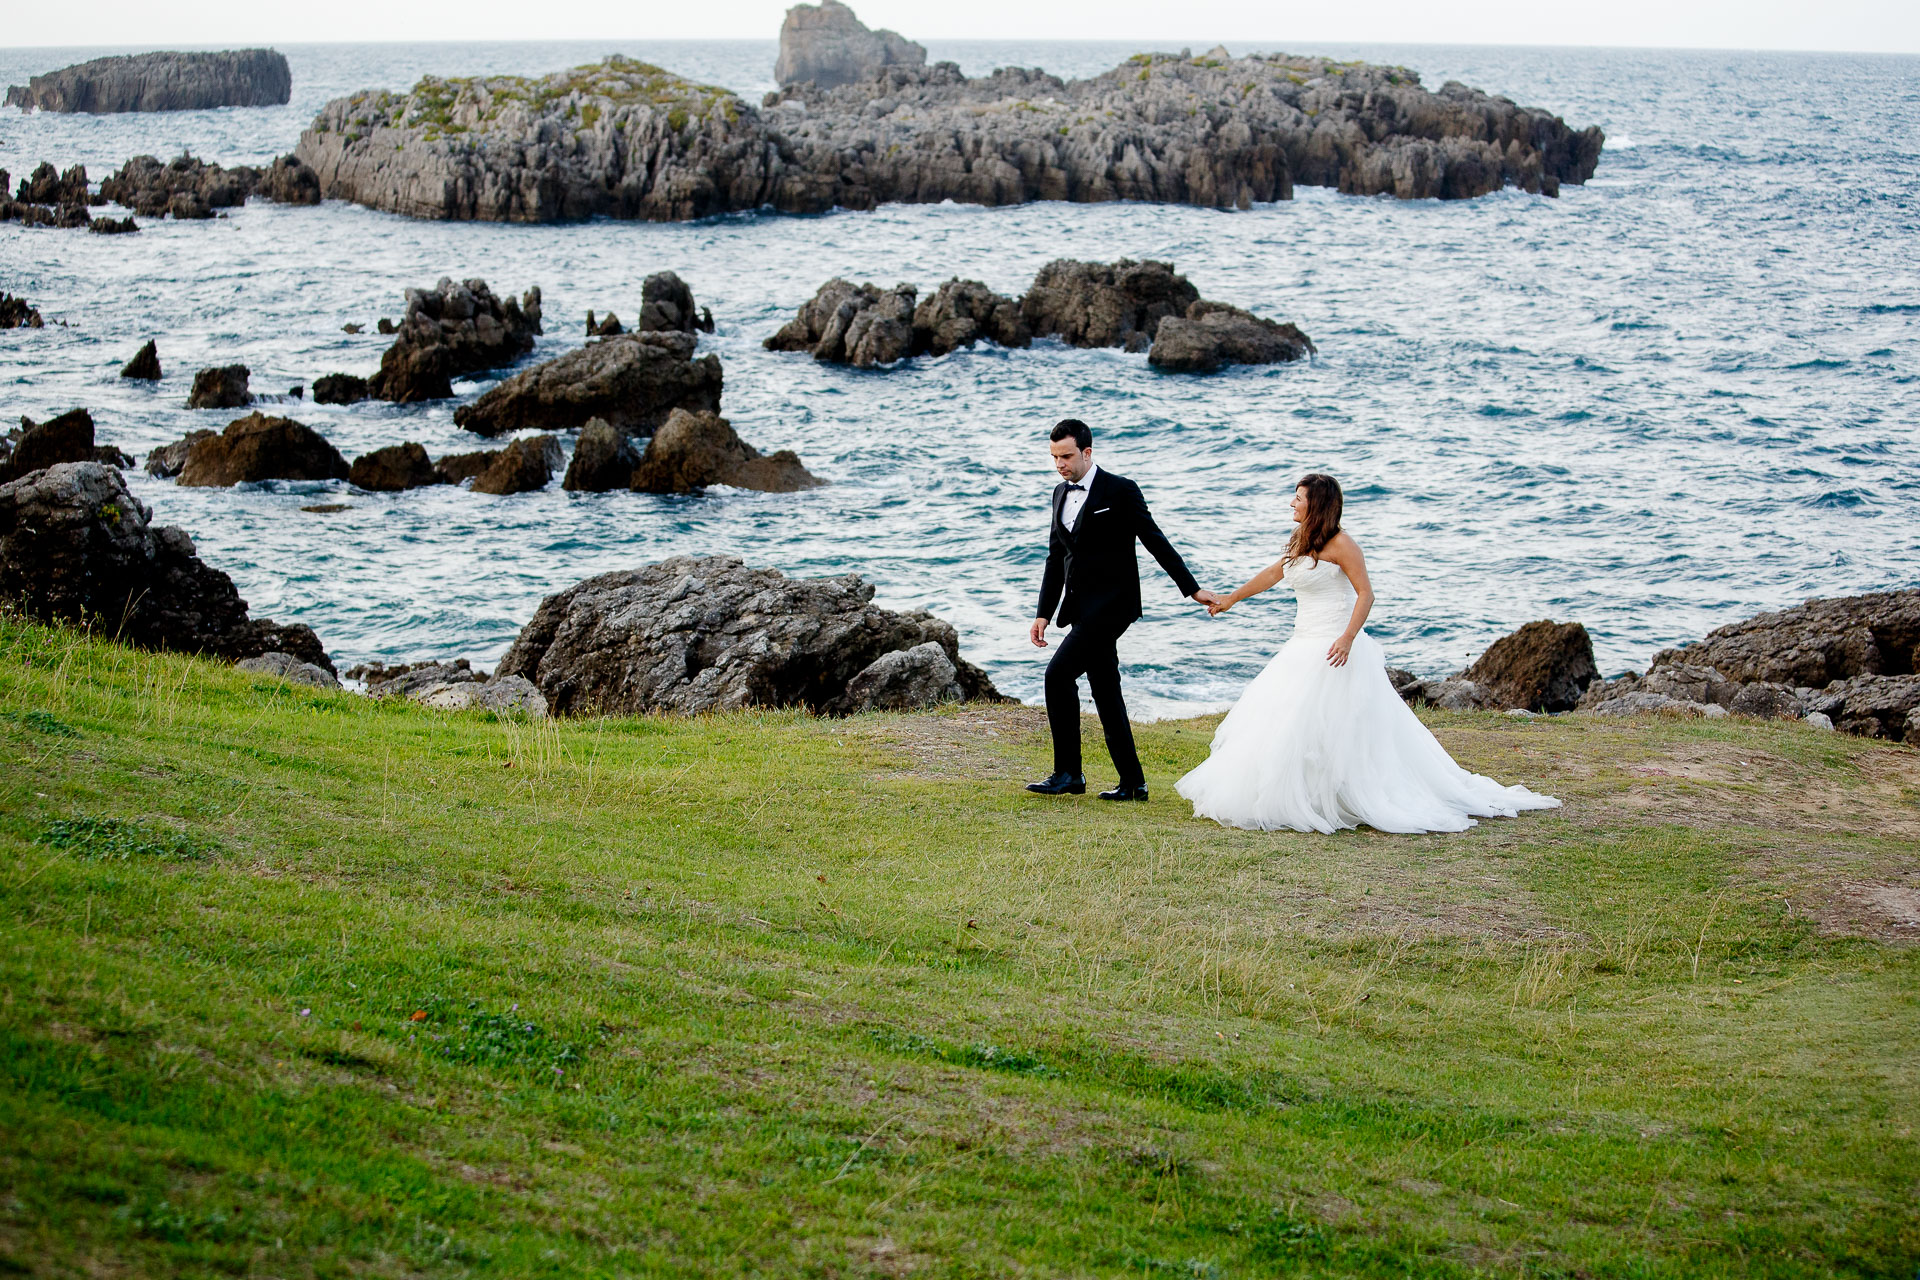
(632,382)
(48,185)
(1213,334)
(962,312)
(1814,643)
(457,467)
(339,388)
(905,680)
(1544,666)
(844,323)
(256,448)
(451,331)
(145,364)
(691,635)
(691,451)
(166,461)
(506,695)
(1097,304)
(161,82)
(66,216)
(603,459)
(188,187)
(291,669)
(113,226)
(609,326)
(17,313)
(396,467)
(624,139)
(221,388)
(524,466)
(288,180)
(826,44)
(66,438)
(666,306)
(77,547)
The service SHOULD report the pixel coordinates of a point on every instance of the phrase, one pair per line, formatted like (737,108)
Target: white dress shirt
(1077,498)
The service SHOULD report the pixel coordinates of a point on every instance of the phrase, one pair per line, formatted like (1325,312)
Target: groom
(1096,518)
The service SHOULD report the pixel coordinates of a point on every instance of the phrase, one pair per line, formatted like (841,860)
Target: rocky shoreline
(626,139)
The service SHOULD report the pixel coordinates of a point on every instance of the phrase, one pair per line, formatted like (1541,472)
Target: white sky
(1875,26)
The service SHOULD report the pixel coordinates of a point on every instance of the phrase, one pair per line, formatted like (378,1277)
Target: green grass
(302,984)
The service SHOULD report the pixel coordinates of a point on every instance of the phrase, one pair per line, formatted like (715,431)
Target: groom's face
(1070,460)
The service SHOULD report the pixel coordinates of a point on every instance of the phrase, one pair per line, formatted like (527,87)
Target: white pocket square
(1101,511)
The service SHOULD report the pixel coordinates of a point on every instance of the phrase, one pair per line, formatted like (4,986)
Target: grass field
(298,983)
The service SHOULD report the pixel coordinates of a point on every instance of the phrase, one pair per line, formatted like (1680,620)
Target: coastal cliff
(161,82)
(626,139)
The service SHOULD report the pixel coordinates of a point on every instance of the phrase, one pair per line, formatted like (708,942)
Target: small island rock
(256,448)
(161,82)
(396,467)
(145,364)
(691,451)
(826,44)
(632,382)
(603,459)
(450,331)
(221,388)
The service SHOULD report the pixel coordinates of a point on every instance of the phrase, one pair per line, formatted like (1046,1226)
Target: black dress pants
(1090,651)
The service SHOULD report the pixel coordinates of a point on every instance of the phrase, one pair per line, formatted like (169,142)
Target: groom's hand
(1205,597)
(1038,632)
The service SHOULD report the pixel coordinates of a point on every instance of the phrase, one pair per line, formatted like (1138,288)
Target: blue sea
(1676,396)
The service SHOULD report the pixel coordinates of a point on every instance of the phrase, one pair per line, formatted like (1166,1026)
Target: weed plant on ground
(303,984)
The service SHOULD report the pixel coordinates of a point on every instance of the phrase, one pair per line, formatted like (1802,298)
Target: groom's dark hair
(1082,433)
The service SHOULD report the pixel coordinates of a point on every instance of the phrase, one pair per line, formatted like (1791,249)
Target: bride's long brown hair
(1311,535)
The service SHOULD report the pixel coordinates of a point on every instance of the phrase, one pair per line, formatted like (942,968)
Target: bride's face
(1299,506)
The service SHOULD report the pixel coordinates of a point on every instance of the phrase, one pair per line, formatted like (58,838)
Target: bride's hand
(1337,652)
(1218,606)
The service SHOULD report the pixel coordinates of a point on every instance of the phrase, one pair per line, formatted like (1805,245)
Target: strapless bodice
(1326,597)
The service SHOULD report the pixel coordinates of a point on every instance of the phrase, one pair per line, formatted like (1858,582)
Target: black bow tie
(1079,487)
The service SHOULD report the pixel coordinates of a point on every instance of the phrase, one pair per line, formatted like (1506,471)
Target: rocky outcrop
(456,468)
(608,326)
(624,139)
(35,446)
(221,388)
(187,187)
(166,461)
(256,448)
(161,82)
(1544,666)
(113,226)
(48,185)
(18,313)
(691,451)
(666,306)
(866,326)
(402,679)
(77,547)
(505,695)
(1098,304)
(603,459)
(286,667)
(905,680)
(826,44)
(145,364)
(396,467)
(691,635)
(1212,334)
(1848,662)
(525,466)
(339,388)
(451,331)
(632,382)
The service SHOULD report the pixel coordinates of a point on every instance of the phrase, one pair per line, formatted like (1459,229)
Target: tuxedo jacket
(1092,575)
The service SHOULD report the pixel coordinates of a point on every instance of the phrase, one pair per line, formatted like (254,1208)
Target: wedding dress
(1315,747)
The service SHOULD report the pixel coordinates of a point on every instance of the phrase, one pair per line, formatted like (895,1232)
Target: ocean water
(1676,396)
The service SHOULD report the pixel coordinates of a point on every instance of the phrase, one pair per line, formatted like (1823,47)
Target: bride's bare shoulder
(1340,549)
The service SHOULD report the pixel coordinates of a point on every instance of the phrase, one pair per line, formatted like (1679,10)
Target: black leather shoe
(1125,792)
(1060,784)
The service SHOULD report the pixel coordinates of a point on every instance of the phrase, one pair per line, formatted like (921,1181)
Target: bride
(1320,741)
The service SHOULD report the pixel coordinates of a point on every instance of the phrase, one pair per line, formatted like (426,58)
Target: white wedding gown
(1315,747)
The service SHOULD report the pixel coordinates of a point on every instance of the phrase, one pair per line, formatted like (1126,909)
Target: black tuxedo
(1093,580)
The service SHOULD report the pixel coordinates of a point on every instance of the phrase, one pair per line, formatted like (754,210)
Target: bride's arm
(1254,586)
(1345,552)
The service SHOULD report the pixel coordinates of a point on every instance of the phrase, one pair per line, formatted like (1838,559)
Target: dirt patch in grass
(976,740)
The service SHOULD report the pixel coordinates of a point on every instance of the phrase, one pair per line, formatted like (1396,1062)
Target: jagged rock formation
(524,466)
(1544,666)
(18,313)
(456,468)
(339,388)
(607,327)
(1213,334)
(77,547)
(691,451)
(188,187)
(396,467)
(1098,304)
(113,226)
(221,388)
(666,306)
(167,460)
(455,329)
(161,82)
(690,635)
(145,364)
(256,448)
(1849,660)
(624,139)
(35,446)
(866,326)
(826,44)
(632,382)
(47,185)
(603,459)
(403,679)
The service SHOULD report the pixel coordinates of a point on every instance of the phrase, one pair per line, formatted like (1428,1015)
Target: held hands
(1337,651)
(1216,604)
